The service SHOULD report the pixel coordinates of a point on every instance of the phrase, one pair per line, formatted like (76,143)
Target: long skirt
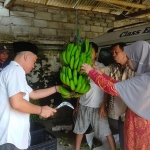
(136,132)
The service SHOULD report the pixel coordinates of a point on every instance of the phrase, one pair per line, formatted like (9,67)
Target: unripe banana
(68,46)
(71,47)
(86,89)
(68,54)
(77,54)
(72,62)
(87,81)
(83,79)
(64,78)
(89,53)
(66,96)
(67,81)
(64,91)
(79,65)
(69,73)
(74,50)
(82,88)
(80,79)
(75,80)
(76,63)
(61,77)
(89,60)
(86,45)
(84,57)
(79,49)
(64,69)
(78,87)
(72,85)
(75,73)
(64,57)
(81,56)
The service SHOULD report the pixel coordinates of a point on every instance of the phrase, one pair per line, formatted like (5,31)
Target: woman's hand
(86,68)
(99,70)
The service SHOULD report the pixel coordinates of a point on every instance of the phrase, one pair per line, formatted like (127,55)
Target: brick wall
(53,28)
(47,25)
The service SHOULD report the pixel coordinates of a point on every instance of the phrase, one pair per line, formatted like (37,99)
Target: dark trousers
(121,133)
(8,146)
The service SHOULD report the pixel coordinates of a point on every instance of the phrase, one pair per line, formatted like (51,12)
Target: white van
(127,35)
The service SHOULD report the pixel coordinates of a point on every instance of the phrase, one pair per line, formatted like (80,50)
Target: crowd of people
(119,97)
(133,92)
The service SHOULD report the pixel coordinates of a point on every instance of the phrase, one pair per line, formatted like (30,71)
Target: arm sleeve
(17,82)
(104,82)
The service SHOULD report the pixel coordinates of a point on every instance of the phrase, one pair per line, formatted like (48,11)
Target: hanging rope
(77,31)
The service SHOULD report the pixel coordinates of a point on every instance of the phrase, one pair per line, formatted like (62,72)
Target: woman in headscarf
(135,93)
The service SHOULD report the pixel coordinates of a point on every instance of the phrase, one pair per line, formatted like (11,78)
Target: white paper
(89,139)
(105,145)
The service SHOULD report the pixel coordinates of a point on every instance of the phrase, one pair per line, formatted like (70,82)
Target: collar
(14,63)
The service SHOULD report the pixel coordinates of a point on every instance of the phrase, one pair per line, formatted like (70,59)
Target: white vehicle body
(127,35)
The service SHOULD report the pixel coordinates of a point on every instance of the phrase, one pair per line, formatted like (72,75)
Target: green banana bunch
(76,82)
(64,92)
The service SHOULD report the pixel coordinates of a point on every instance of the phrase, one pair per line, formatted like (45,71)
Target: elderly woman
(135,93)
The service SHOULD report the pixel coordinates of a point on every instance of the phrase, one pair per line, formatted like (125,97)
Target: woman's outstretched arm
(102,80)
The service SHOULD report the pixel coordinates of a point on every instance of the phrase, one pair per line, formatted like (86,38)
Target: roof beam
(134,15)
(97,7)
(129,4)
(8,3)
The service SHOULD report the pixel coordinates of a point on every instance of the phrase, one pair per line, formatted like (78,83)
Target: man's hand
(102,111)
(75,111)
(57,88)
(47,111)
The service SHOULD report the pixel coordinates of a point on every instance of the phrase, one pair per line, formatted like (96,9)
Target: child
(88,111)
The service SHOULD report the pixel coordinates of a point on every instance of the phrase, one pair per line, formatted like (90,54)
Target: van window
(105,56)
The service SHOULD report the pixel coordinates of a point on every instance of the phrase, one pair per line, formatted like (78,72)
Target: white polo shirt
(94,97)
(14,125)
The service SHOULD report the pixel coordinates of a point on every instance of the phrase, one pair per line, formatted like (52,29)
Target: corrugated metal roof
(114,7)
